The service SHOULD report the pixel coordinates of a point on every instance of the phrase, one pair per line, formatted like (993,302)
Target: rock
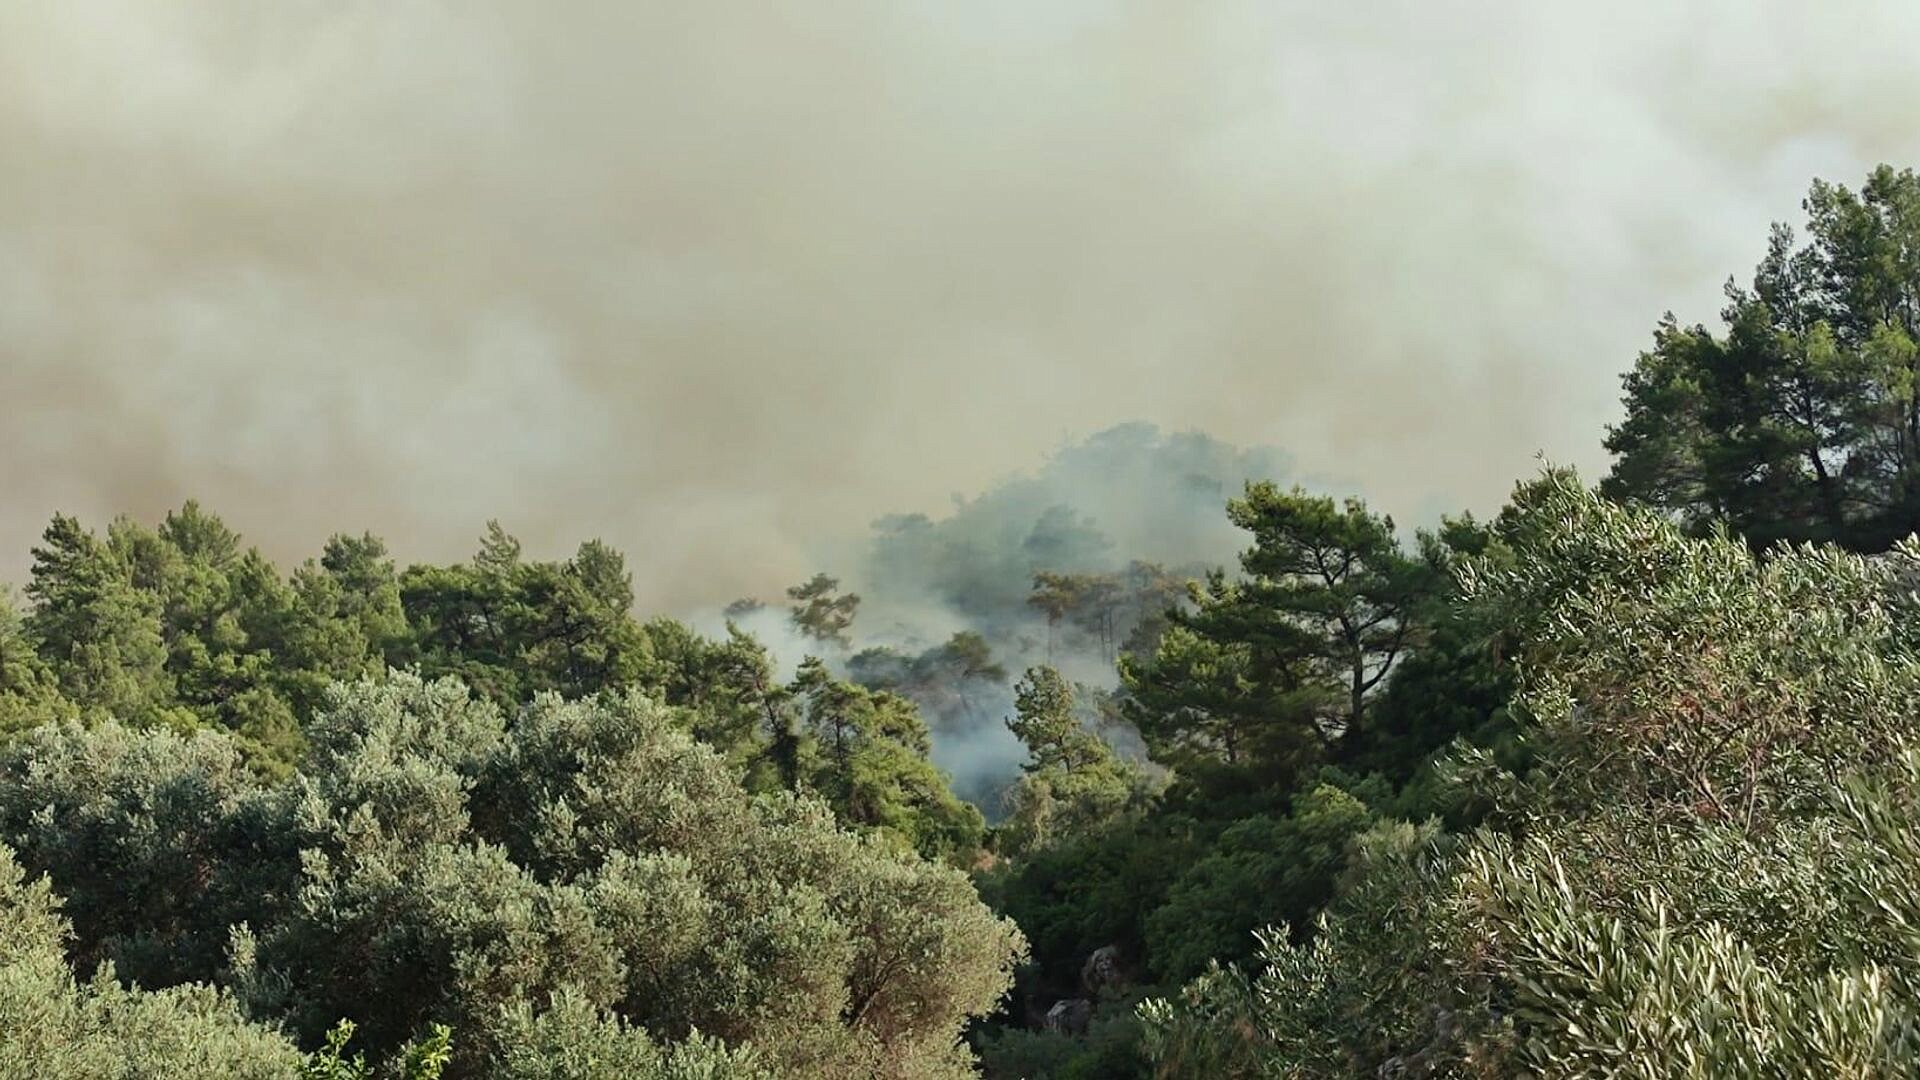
(1102,972)
(1070,1016)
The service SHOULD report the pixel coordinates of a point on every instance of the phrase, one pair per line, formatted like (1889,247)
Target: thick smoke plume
(722,281)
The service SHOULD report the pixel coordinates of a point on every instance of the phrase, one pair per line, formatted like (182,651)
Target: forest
(1153,764)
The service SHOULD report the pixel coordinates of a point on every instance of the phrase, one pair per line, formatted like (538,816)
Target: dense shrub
(56,1027)
(437,863)
(1709,871)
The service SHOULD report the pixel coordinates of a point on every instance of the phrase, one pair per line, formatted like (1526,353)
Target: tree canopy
(480,867)
(1799,421)
(1702,872)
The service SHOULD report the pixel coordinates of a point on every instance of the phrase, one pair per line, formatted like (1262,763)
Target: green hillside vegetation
(1619,781)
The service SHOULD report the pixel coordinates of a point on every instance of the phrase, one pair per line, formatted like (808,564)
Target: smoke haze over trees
(910,541)
(724,285)
(1451,799)
(1061,566)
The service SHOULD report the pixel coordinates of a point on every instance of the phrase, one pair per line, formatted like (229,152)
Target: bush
(433,863)
(59,1028)
(1710,869)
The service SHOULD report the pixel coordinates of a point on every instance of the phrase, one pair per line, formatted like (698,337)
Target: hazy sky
(715,280)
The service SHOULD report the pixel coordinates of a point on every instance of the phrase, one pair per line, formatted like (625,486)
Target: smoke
(722,282)
(1102,506)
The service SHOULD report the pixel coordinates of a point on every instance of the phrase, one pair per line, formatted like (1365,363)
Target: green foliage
(1247,696)
(1343,1002)
(1278,670)
(1455,685)
(29,694)
(1711,685)
(435,863)
(1045,721)
(948,682)
(1090,890)
(1172,890)
(1073,783)
(1704,871)
(434,837)
(331,1062)
(726,691)
(424,1059)
(1338,572)
(1110,1050)
(342,620)
(56,1027)
(1261,871)
(178,626)
(181,627)
(1681,779)
(821,611)
(512,628)
(573,1040)
(159,842)
(866,755)
(1801,421)
(100,634)
(713,860)
(1110,612)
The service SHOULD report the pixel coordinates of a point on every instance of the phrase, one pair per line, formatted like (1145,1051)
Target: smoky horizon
(725,285)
